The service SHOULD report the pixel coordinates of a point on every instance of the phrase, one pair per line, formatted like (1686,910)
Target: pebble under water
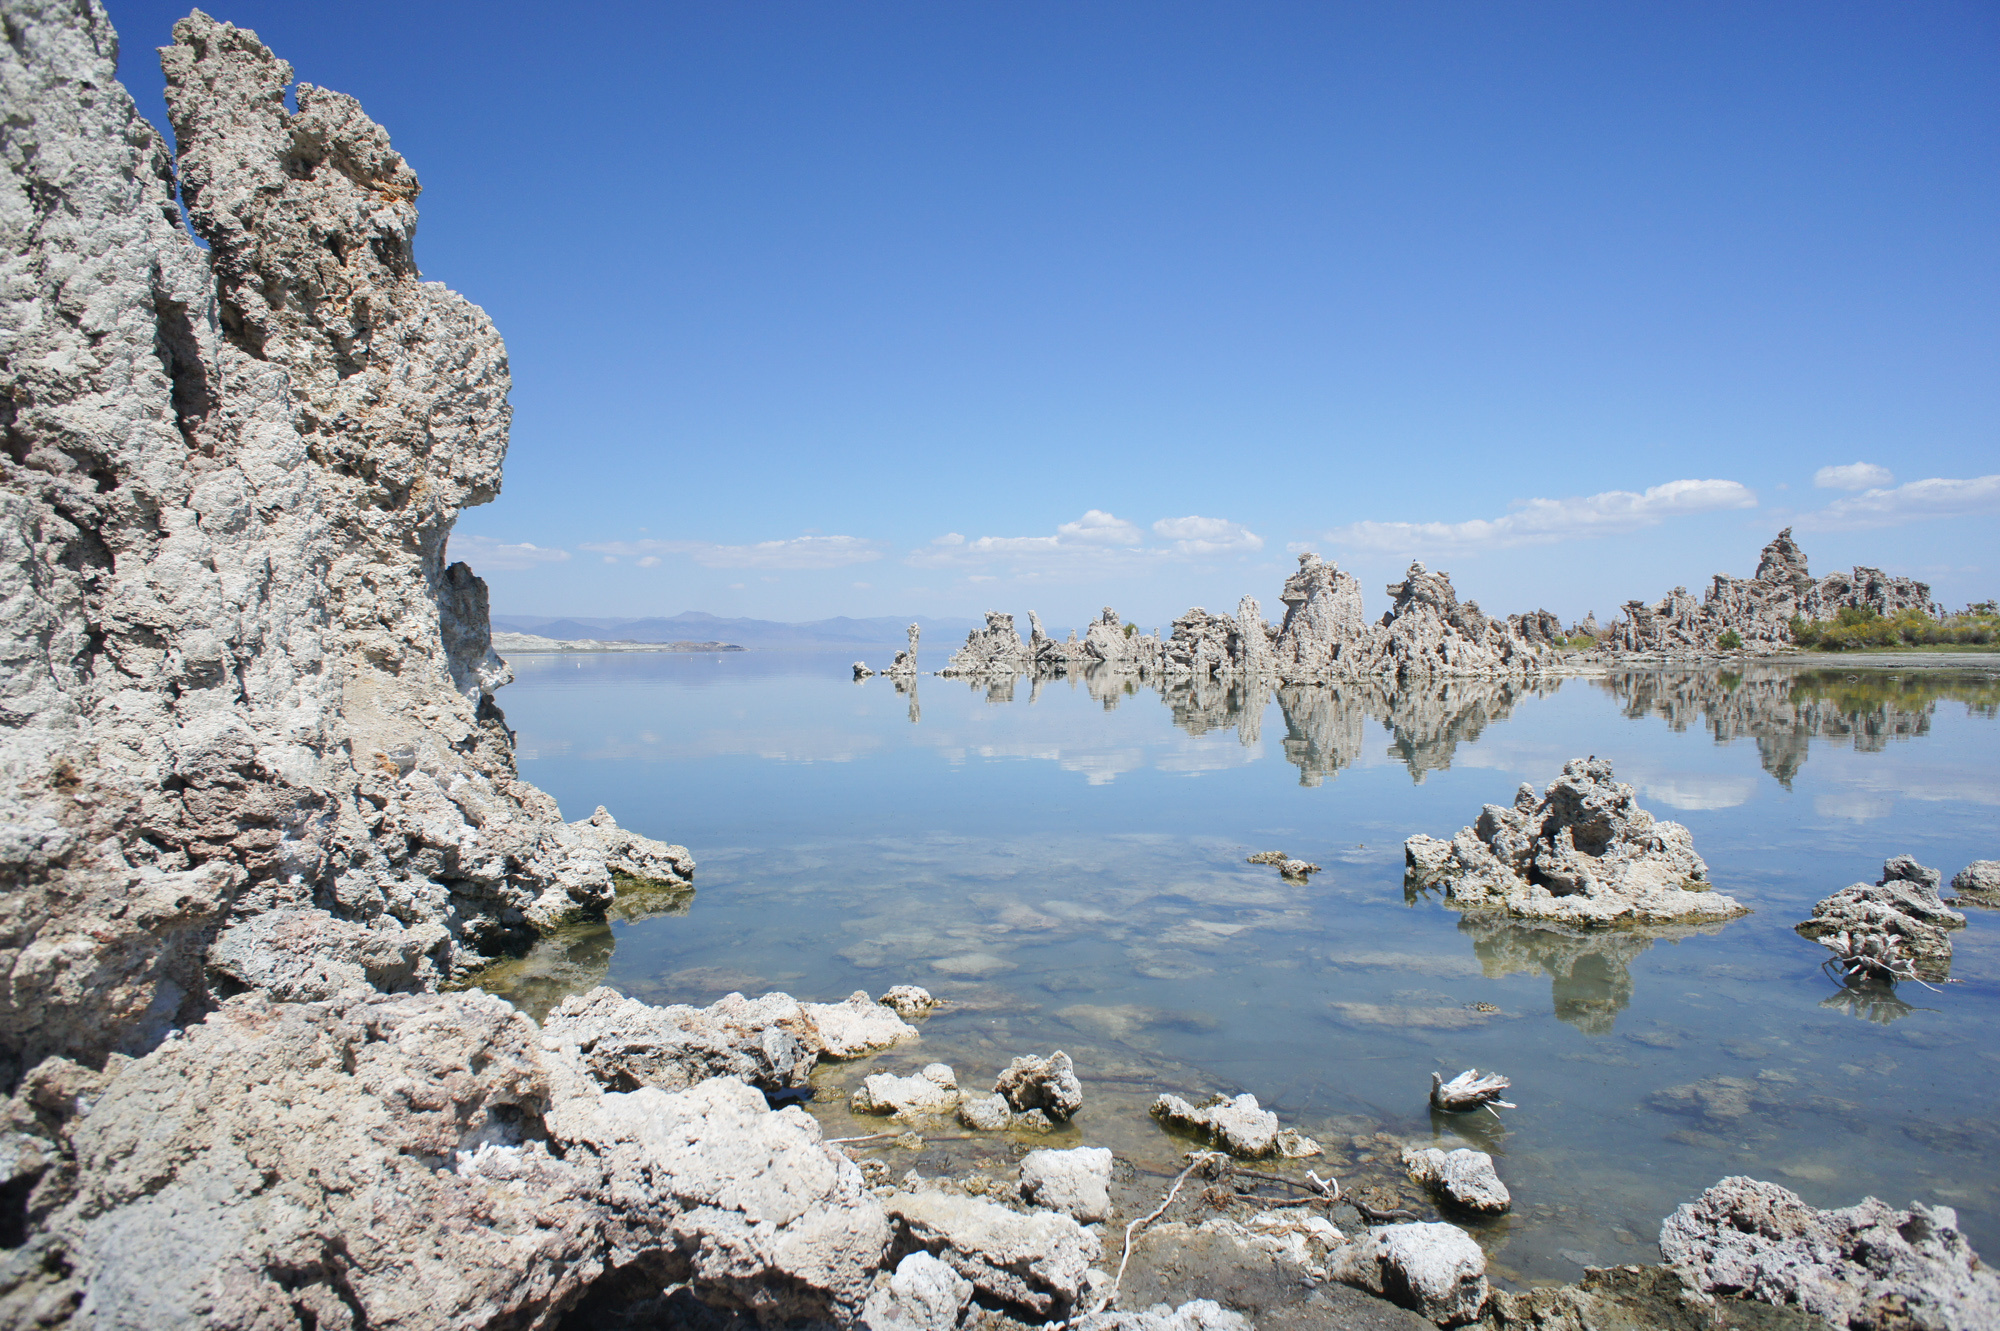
(1065,862)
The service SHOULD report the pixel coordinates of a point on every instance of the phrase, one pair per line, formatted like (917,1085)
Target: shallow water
(1066,862)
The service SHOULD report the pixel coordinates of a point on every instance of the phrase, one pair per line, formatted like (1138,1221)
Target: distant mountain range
(763,635)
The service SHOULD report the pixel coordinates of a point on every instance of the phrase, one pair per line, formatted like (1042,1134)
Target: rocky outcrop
(240,676)
(1901,910)
(922,1295)
(1869,1267)
(1581,853)
(1758,610)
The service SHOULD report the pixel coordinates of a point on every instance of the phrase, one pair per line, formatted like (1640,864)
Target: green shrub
(1855,627)
(1131,629)
(1730,640)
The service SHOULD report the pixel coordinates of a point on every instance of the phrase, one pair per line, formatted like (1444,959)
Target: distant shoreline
(530,644)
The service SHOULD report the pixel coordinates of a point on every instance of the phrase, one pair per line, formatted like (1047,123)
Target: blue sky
(922,308)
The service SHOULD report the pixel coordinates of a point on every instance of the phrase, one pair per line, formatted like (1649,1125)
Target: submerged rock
(1464,1178)
(1037,1263)
(1296,870)
(1869,1267)
(1048,1084)
(1902,909)
(1076,1182)
(1430,1268)
(1581,853)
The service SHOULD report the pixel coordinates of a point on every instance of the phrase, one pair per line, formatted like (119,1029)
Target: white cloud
(1095,544)
(1853,476)
(1913,501)
(649,561)
(485,554)
(800,552)
(1545,521)
(1207,536)
(1097,527)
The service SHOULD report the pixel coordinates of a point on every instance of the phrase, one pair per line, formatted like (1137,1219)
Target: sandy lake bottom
(1065,863)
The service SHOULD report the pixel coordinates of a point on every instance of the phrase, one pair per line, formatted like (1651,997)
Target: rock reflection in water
(1784,710)
(1878,1003)
(1326,725)
(1591,970)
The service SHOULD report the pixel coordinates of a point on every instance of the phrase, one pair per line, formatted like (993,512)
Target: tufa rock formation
(1759,609)
(1581,853)
(249,729)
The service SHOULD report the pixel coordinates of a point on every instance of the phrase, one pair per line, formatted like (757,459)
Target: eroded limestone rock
(1464,1178)
(932,1093)
(1433,1269)
(1035,1262)
(1239,1126)
(1979,881)
(769,1042)
(909,1000)
(376,1155)
(240,673)
(1868,1266)
(1076,1182)
(923,1294)
(1902,907)
(858,1025)
(1758,609)
(1581,853)
(1048,1084)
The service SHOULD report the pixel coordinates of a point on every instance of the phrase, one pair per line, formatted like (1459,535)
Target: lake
(1066,863)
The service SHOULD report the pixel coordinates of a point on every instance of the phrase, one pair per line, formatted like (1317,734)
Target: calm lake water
(1066,863)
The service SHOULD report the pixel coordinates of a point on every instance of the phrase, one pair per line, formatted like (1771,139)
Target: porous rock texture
(932,1093)
(238,676)
(1868,1267)
(1278,1276)
(1581,853)
(1759,609)
(923,1294)
(1903,905)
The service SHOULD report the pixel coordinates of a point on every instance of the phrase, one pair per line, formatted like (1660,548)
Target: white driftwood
(1469,1090)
